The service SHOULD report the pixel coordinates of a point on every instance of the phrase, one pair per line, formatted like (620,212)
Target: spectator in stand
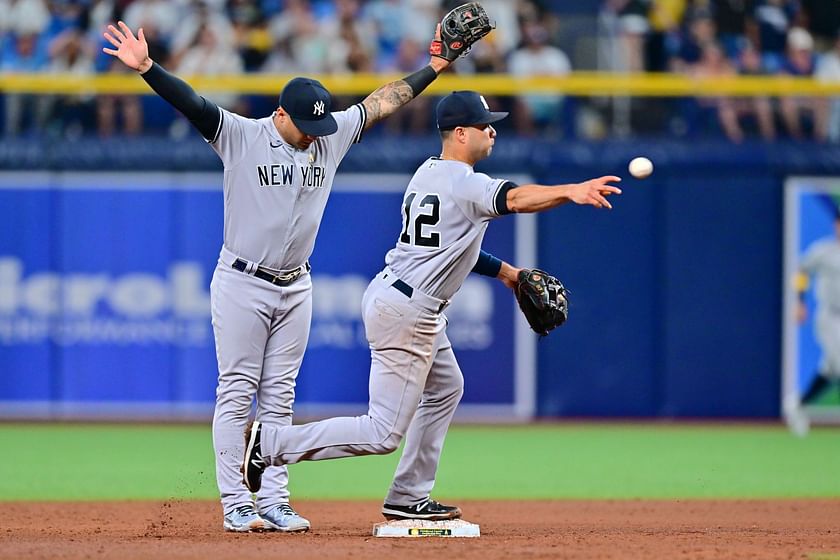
(251,37)
(822,19)
(537,58)
(298,31)
(757,106)
(357,54)
(734,23)
(279,59)
(773,19)
(109,107)
(391,23)
(828,70)
(488,58)
(352,37)
(425,14)
(197,15)
(24,52)
(23,17)
(100,13)
(801,61)
(698,33)
(414,117)
(633,27)
(164,16)
(64,15)
(714,64)
(665,19)
(208,56)
(71,53)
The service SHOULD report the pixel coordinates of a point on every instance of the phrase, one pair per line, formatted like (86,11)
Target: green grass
(576,461)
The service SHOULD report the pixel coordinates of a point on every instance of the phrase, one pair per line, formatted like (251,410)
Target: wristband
(421,79)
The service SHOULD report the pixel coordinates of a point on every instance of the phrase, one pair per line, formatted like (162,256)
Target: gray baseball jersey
(446,209)
(822,260)
(275,194)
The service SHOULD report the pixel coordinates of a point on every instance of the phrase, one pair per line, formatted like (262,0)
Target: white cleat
(283,518)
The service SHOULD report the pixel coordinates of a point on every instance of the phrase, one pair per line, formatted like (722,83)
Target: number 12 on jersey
(427,213)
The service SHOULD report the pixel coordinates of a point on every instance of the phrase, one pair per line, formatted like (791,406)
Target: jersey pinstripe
(446,209)
(274,193)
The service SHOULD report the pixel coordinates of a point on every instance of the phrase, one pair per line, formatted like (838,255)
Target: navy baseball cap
(465,108)
(308,103)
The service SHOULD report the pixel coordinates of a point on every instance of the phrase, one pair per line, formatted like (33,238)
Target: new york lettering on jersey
(283,175)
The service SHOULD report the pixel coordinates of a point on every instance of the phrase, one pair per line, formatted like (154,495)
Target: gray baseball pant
(261,331)
(415,385)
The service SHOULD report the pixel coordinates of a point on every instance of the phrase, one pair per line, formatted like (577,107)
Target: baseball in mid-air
(640,167)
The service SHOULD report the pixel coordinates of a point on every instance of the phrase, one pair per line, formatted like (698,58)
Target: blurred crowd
(721,38)
(533,37)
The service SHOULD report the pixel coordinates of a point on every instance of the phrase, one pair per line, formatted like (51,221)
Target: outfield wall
(676,293)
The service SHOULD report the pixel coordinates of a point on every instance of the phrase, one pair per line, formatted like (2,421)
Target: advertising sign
(811,368)
(104,299)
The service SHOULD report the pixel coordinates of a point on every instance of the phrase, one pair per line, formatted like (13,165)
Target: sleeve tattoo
(386,100)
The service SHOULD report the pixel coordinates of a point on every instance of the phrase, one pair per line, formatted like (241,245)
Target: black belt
(403,287)
(276,279)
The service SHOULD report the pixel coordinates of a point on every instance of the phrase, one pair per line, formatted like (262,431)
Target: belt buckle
(287,278)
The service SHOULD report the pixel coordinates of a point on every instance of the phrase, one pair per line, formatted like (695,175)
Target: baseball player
(822,261)
(415,382)
(278,175)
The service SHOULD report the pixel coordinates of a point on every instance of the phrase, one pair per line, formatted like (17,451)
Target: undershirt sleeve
(201,112)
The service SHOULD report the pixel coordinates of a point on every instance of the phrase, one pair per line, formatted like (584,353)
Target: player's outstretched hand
(595,191)
(132,51)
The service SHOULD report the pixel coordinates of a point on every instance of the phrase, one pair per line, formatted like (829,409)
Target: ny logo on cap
(318,108)
(484,102)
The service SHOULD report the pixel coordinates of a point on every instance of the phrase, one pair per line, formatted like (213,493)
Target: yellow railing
(579,83)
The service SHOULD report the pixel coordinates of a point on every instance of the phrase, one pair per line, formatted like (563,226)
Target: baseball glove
(460,29)
(542,299)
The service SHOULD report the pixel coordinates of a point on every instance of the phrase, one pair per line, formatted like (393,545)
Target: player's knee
(389,444)
(456,389)
(233,405)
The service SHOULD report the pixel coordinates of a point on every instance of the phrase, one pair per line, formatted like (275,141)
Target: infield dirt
(808,529)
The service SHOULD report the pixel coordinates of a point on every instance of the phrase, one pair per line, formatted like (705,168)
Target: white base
(420,528)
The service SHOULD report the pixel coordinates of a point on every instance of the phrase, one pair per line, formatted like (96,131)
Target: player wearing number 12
(415,381)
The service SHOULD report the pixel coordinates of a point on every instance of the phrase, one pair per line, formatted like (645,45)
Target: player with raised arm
(415,381)
(278,173)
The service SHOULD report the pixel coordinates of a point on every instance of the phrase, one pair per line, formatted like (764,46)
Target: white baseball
(640,167)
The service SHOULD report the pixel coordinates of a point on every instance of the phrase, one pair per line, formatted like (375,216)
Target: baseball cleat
(283,518)
(244,519)
(253,465)
(428,509)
